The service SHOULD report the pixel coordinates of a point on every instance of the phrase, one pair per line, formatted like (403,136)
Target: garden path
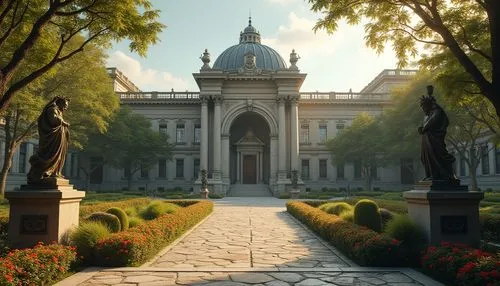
(250,241)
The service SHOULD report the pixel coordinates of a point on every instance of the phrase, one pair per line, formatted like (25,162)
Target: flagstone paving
(250,241)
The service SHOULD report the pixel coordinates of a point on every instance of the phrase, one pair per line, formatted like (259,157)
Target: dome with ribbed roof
(236,57)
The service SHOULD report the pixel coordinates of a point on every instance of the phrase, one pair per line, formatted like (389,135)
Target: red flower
(484,274)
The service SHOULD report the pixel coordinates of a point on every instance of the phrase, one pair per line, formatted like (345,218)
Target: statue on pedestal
(435,158)
(53,132)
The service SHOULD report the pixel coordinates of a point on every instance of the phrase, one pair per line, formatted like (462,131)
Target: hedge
(457,264)
(136,245)
(366,247)
(87,209)
(4,226)
(40,265)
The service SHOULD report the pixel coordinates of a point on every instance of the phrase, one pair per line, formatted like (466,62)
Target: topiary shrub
(86,236)
(109,220)
(336,208)
(366,213)
(131,211)
(158,208)
(135,221)
(412,237)
(347,216)
(386,215)
(121,215)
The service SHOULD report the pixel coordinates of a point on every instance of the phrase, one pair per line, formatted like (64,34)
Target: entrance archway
(249,154)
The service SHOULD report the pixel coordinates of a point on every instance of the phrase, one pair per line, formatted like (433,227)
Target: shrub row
(87,209)
(4,225)
(136,245)
(40,265)
(366,247)
(458,264)
(490,227)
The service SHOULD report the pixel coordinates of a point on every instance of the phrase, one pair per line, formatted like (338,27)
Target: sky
(337,62)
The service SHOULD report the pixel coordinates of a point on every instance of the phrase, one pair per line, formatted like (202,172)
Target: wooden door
(249,169)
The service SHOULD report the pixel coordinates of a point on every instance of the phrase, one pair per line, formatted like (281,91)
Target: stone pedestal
(294,193)
(204,193)
(42,213)
(446,215)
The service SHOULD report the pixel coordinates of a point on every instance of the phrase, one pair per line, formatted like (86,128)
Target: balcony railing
(342,96)
(140,96)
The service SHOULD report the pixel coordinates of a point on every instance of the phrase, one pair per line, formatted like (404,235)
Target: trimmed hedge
(109,220)
(457,264)
(121,215)
(136,245)
(158,208)
(4,226)
(41,265)
(365,246)
(86,209)
(85,237)
(366,213)
(336,208)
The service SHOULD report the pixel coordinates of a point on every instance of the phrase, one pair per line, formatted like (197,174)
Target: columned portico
(294,130)
(204,135)
(216,174)
(282,140)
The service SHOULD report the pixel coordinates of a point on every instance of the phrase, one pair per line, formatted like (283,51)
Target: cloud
(145,78)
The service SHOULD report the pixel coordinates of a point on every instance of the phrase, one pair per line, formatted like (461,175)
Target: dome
(236,57)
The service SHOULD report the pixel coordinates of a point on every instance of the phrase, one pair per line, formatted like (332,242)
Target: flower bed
(40,265)
(136,245)
(458,264)
(366,247)
(86,209)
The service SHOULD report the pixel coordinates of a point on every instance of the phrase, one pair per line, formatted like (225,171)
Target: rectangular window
(74,165)
(323,135)
(497,160)
(180,133)
(304,170)
(304,133)
(23,150)
(357,169)
(322,169)
(163,128)
(96,173)
(196,168)
(340,127)
(340,171)
(144,172)
(485,159)
(197,133)
(179,168)
(162,168)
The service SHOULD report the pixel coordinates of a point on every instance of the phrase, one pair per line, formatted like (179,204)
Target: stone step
(249,190)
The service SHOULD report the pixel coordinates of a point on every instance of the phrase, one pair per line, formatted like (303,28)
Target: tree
(129,144)
(359,142)
(92,105)
(36,35)
(468,30)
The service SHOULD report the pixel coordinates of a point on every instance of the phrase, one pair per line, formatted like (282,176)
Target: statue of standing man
(53,144)
(438,163)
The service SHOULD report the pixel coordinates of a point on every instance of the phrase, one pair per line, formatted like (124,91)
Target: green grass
(93,197)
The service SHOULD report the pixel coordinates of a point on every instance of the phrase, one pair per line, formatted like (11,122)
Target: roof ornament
(294,58)
(205,58)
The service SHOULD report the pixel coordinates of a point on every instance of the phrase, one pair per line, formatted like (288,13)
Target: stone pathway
(250,241)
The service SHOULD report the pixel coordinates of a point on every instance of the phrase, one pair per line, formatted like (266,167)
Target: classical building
(250,124)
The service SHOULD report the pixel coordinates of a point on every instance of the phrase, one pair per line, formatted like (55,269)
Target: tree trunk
(7,163)
(493,11)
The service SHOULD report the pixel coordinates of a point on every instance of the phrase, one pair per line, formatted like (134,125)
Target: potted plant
(294,177)
(204,184)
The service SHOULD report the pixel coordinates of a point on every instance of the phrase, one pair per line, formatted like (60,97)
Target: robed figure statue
(438,163)
(53,132)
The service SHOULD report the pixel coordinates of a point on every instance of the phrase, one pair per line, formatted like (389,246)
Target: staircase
(249,190)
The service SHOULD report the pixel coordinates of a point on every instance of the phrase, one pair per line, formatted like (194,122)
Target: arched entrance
(249,154)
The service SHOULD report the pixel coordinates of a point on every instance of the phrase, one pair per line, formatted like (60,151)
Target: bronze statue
(53,144)
(435,158)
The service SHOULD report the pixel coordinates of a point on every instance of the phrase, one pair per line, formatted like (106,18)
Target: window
(96,174)
(374,172)
(197,133)
(126,172)
(179,168)
(180,134)
(485,159)
(74,170)
(340,127)
(323,135)
(497,160)
(357,169)
(196,168)
(23,149)
(144,172)
(340,171)
(304,133)
(462,165)
(162,168)
(322,169)
(304,170)
(163,128)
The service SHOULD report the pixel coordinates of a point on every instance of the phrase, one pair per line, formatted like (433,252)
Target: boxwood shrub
(86,209)
(138,244)
(365,246)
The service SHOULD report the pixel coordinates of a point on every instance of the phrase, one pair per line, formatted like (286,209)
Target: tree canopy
(36,35)
(467,31)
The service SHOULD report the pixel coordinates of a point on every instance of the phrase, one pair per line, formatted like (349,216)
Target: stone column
(261,169)
(238,159)
(282,140)
(204,135)
(294,135)
(217,140)
(225,157)
(273,158)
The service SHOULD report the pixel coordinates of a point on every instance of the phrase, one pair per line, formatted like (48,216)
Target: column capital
(217,99)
